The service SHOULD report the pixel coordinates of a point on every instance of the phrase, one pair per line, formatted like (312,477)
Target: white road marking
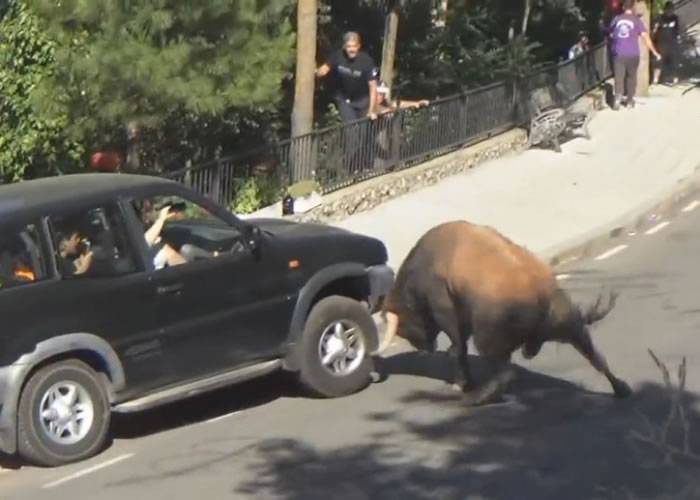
(691,206)
(657,228)
(87,471)
(563,276)
(216,419)
(611,252)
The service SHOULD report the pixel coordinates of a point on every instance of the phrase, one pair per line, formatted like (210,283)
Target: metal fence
(688,12)
(343,155)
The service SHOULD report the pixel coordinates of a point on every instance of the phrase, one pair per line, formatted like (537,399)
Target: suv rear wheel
(63,415)
(338,338)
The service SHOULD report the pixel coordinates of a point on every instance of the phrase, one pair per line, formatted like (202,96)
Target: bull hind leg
(584,345)
(446,319)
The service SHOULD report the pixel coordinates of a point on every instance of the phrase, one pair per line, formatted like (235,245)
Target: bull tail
(392,326)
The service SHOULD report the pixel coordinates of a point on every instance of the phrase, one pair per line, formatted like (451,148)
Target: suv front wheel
(338,338)
(63,415)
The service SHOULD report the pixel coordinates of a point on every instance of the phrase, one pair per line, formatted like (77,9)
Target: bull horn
(595,312)
(392,326)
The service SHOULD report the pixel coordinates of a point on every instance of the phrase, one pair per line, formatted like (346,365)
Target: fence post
(464,116)
(187,178)
(515,101)
(395,138)
(302,158)
(215,190)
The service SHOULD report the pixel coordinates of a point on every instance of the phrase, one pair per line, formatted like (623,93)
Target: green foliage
(303,188)
(164,64)
(254,193)
(472,50)
(30,144)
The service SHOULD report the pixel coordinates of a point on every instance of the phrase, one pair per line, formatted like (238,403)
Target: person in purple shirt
(625,30)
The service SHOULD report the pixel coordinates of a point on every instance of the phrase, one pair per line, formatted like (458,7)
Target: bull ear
(596,312)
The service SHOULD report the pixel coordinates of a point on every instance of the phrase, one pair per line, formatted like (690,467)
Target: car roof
(45,195)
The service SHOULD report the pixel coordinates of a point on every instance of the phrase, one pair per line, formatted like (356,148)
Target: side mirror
(252,236)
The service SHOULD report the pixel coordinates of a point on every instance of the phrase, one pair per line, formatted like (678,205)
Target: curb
(642,217)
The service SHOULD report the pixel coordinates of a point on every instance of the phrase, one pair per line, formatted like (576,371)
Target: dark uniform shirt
(667,29)
(352,75)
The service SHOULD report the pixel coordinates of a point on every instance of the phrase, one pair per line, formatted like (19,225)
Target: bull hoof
(378,377)
(480,397)
(531,350)
(622,389)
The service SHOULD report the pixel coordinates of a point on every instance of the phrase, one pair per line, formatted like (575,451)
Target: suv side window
(178,231)
(92,243)
(21,259)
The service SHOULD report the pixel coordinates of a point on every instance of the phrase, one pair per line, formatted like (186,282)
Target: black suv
(123,292)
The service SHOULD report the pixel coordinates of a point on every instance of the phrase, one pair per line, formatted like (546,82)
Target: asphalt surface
(557,434)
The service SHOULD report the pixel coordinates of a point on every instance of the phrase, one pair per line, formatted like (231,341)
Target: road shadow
(206,406)
(10,462)
(193,410)
(440,366)
(549,440)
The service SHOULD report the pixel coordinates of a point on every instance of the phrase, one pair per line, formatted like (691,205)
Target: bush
(30,145)
(254,193)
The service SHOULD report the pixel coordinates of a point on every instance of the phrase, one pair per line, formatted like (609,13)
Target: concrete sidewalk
(548,201)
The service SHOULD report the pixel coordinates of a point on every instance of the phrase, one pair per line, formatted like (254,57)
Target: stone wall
(371,193)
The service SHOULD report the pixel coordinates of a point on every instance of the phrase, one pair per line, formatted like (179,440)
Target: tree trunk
(642,9)
(133,146)
(303,112)
(305,84)
(526,16)
(391,28)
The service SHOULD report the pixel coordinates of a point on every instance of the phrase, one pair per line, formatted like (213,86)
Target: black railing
(688,12)
(343,155)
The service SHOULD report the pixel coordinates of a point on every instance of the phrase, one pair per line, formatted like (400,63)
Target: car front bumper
(10,385)
(381,279)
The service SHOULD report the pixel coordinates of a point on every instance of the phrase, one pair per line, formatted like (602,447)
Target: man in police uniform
(356,77)
(666,33)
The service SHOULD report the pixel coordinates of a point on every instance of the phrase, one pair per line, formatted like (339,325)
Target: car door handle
(170,289)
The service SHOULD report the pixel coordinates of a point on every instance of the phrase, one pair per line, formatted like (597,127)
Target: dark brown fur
(470,281)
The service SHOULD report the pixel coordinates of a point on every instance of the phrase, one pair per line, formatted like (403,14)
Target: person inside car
(164,254)
(75,256)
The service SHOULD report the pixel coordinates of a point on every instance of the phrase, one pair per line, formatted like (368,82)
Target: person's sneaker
(616,104)
(631,104)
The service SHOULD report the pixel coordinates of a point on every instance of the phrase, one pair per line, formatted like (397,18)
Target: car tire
(335,352)
(63,415)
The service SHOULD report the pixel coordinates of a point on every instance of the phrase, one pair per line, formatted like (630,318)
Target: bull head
(596,311)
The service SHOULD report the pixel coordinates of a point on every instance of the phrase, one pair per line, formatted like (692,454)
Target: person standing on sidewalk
(625,31)
(356,76)
(580,46)
(667,36)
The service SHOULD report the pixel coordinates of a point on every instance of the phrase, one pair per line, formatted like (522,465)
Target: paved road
(557,435)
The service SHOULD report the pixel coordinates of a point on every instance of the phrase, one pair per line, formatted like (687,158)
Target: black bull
(470,281)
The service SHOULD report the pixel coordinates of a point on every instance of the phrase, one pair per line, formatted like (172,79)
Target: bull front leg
(583,343)
(459,352)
